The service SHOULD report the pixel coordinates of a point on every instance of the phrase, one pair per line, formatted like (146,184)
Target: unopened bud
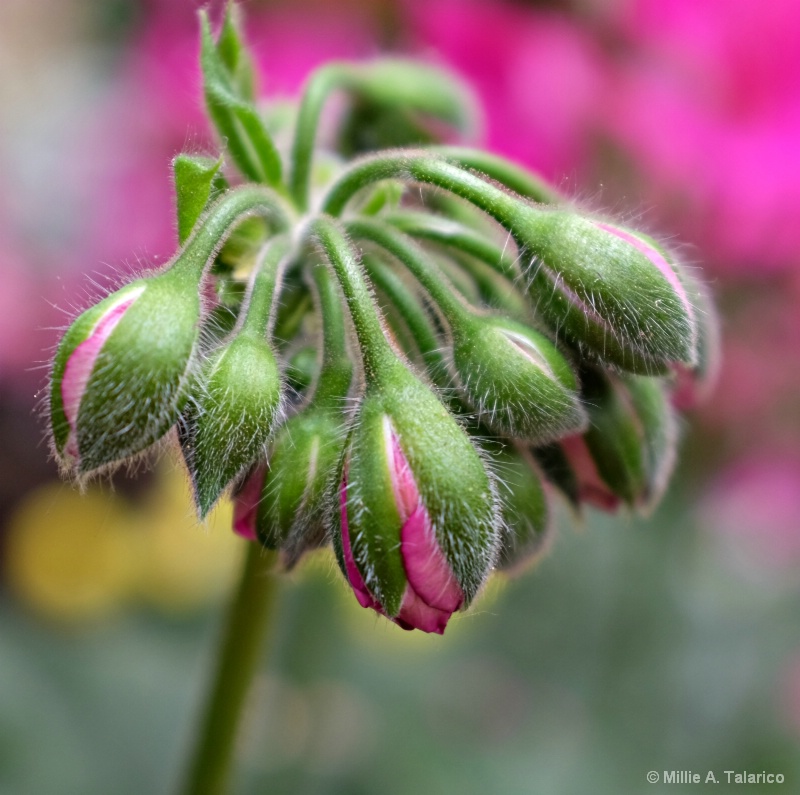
(516,379)
(416,531)
(527,525)
(303,461)
(611,291)
(628,451)
(120,372)
(230,417)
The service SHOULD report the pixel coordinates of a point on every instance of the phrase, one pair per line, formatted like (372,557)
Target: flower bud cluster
(404,356)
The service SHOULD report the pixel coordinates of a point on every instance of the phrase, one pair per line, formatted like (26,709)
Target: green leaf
(197,181)
(235,117)
(234,55)
(419,88)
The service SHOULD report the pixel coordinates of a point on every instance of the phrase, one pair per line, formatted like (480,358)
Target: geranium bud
(227,423)
(610,291)
(517,380)
(302,464)
(120,372)
(628,451)
(415,530)
(527,525)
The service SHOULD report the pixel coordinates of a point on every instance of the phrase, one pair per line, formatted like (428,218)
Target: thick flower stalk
(404,356)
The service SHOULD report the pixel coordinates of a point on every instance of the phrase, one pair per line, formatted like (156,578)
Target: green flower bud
(227,423)
(237,396)
(292,512)
(516,379)
(416,531)
(610,291)
(629,449)
(120,372)
(527,526)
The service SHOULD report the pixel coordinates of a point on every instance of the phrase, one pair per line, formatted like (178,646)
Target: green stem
(503,171)
(248,623)
(262,290)
(214,228)
(409,309)
(422,166)
(376,353)
(336,370)
(319,87)
(416,260)
(454,235)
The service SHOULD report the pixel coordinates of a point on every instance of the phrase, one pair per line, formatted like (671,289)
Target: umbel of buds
(404,356)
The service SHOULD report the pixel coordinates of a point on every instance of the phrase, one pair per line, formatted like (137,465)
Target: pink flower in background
(708,109)
(541,79)
(756,505)
(701,100)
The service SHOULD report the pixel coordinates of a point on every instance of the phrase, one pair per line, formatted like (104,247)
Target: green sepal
(197,183)
(227,423)
(235,117)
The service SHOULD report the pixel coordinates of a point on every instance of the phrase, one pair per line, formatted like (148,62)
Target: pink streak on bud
(245,504)
(591,487)
(657,259)
(365,598)
(80,364)
(432,593)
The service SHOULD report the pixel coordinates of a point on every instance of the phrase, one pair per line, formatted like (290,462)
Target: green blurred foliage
(632,647)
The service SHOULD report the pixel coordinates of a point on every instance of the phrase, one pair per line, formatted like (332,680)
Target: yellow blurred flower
(78,556)
(184,565)
(71,555)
